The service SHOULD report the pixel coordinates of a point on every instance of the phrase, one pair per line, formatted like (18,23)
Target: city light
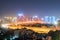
(55,23)
(16,22)
(42,18)
(20,14)
(4,25)
(35,16)
(29,19)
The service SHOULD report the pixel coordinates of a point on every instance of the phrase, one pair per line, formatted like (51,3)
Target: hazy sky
(30,7)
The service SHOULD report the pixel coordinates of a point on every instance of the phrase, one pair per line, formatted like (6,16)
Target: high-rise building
(46,19)
(35,18)
(50,19)
(21,18)
(58,23)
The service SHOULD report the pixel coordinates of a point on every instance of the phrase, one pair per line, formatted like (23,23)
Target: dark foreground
(27,34)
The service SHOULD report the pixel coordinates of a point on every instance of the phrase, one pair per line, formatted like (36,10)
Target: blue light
(46,18)
(53,19)
(20,14)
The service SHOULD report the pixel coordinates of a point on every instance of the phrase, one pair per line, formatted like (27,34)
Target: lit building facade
(9,19)
(21,18)
(35,18)
(49,19)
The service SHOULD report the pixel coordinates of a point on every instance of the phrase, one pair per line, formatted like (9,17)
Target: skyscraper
(50,19)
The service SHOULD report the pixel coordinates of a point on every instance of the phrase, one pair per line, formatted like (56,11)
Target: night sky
(30,7)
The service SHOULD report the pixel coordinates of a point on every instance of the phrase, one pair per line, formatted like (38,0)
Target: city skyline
(30,7)
(29,19)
